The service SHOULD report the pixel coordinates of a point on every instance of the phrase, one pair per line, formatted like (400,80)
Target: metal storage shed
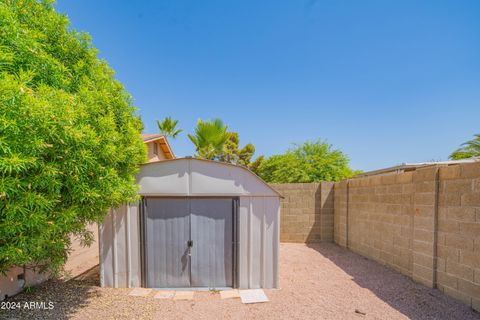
(200,223)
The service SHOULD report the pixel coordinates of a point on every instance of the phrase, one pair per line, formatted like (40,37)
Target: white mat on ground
(253,296)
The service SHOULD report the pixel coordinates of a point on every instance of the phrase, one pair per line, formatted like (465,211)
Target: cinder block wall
(340,213)
(306,212)
(424,224)
(458,245)
(374,217)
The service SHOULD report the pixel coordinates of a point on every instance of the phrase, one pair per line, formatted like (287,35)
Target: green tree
(70,140)
(168,127)
(256,164)
(213,141)
(232,152)
(209,138)
(469,149)
(309,162)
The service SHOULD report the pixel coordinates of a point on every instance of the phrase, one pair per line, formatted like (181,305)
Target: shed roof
(199,177)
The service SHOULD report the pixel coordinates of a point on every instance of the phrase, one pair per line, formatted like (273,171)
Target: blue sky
(384,81)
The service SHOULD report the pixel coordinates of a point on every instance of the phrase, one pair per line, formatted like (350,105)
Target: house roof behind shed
(162,141)
(414,166)
(150,136)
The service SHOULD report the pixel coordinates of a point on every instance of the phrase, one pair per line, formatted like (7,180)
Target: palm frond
(209,138)
(468,149)
(168,127)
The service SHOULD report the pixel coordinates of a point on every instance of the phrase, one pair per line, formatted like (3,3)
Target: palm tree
(469,149)
(168,127)
(209,138)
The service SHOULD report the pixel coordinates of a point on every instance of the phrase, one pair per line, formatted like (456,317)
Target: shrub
(69,136)
(309,162)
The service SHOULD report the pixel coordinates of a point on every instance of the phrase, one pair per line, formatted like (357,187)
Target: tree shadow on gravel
(67,299)
(413,300)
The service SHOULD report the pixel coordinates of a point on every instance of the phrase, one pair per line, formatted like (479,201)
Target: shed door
(189,242)
(166,235)
(212,236)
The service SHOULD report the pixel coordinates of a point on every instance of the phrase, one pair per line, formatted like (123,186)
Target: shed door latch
(189,245)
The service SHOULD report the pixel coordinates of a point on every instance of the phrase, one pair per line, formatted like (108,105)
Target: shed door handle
(190,243)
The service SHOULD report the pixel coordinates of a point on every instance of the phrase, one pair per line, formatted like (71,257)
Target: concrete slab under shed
(229,294)
(164,294)
(140,292)
(183,295)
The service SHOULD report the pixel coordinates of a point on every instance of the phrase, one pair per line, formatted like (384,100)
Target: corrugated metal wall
(119,240)
(257,250)
(259,231)
(258,220)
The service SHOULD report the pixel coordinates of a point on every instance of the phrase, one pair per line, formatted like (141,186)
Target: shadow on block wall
(307,212)
(314,235)
(322,228)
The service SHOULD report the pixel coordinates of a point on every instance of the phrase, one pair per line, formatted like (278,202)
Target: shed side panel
(257,243)
(259,239)
(120,257)
(119,248)
(134,274)
(243,242)
(272,237)
(106,251)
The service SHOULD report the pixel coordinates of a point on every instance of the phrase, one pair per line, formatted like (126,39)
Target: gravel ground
(317,282)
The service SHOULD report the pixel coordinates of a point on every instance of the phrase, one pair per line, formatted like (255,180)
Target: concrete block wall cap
(470,170)
(450,172)
(425,174)
(405,167)
(405,177)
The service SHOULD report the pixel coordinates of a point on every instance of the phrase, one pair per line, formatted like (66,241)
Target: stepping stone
(229,294)
(140,292)
(183,295)
(253,296)
(164,294)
